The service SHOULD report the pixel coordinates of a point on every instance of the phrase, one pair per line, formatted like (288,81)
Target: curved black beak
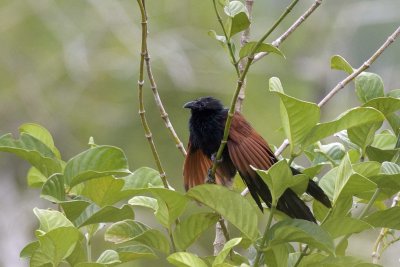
(191,104)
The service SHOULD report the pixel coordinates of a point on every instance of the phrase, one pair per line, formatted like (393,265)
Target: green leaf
(298,117)
(235,209)
(386,105)
(238,19)
(74,208)
(185,259)
(35,178)
(385,140)
(79,254)
(225,251)
(220,38)
(51,219)
(349,183)
(109,257)
(363,135)
(188,230)
(96,162)
(143,201)
(124,231)
(293,230)
(389,218)
(53,189)
(29,249)
(380,155)
(104,191)
(175,202)
(348,225)
(93,214)
(159,206)
(141,179)
(41,134)
(134,252)
(351,118)
(279,178)
(331,153)
(56,245)
(129,230)
(277,256)
(32,150)
(369,86)
(339,63)
(250,49)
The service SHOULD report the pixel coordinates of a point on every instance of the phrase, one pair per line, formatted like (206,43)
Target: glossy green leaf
(348,225)
(225,251)
(250,49)
(380,155)
(74,208)
(389,218)
(385,140)
(42,134)
(109,257)
(279,178)
(93,214)
(348,183)
(188,230)
(51,219)
(235,209)
(277,256)
(339,63)
(220,38)
(185,259)
(53,189)
(124,231)
(351,118)
(104,191)
(363,135)
(134,252)
(143,201)
(29,249)
(331,153)
(175,202)
(141,179)
(32,150)
(57,244)
(35,178)
(298,117)
(96,162)
(238,19)
(293,230)
(369,86)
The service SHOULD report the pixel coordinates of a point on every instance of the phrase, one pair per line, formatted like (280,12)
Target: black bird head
(204,103)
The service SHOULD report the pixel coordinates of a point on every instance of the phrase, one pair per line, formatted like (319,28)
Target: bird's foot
(214,158)
(210,179)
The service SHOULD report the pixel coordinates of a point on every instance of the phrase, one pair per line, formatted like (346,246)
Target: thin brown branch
(291,29)
(142,112)
(344,82)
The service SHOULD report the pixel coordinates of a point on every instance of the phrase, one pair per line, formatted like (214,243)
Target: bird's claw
(210,179)
(214,158)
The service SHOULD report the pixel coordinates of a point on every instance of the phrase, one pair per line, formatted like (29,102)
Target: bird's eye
(201,104)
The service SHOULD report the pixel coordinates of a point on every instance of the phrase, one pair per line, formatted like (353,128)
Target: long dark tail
(289,203)
(315,191)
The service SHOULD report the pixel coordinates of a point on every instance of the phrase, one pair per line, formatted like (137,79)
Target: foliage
(96,189)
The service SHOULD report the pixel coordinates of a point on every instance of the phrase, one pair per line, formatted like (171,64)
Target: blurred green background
(72,67)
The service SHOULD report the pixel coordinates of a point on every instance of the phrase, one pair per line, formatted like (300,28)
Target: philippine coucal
(245,148)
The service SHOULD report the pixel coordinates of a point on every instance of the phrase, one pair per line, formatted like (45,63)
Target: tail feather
(315,191)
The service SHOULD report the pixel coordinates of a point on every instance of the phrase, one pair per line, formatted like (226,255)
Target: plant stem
(239,86)
(142,111)
(264,239)
(228,39)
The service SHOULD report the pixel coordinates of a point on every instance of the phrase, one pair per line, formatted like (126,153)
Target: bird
(244,148)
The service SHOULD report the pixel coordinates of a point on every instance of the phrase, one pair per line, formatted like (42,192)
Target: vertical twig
(140,83)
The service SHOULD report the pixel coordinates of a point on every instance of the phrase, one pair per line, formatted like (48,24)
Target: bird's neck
(206,129)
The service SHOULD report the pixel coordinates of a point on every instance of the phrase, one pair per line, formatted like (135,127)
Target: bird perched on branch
(244,148)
